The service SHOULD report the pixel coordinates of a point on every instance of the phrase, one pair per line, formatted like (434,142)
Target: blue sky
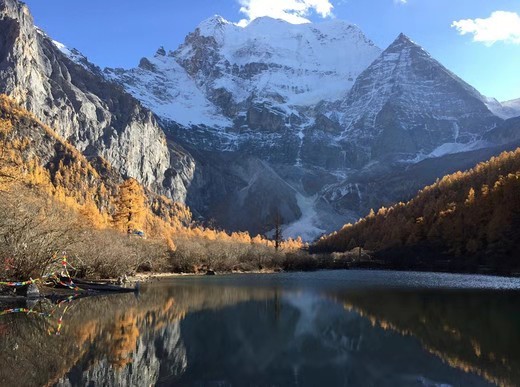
(117,33)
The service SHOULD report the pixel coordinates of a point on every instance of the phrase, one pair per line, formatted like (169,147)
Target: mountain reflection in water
(316,329)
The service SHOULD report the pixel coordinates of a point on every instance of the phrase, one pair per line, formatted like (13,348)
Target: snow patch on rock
(452,148)
(307,227)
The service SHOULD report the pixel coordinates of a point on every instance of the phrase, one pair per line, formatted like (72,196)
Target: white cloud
(500,26)
(293,11)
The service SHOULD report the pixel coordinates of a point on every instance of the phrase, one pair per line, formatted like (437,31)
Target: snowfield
(269,61)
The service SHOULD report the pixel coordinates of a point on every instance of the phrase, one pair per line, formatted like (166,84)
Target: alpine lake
(341,328)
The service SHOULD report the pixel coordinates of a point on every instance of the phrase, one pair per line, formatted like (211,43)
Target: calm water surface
(350,328)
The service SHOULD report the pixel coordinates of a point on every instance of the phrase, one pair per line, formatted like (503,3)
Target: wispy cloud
(501,26)
(293,11)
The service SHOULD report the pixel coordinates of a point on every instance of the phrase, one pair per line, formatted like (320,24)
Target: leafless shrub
(198,254)
(109,254)
(32,231)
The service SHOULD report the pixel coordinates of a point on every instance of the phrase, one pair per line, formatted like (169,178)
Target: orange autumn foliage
(472,215)
(32,155)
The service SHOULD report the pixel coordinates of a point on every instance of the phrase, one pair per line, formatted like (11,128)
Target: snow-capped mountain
(300,109)
(406,102)
(222,69)
(252,93)
(506,109)
(271,119)
(514,105)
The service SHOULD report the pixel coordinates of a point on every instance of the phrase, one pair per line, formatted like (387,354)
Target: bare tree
(32,230)
(278,233)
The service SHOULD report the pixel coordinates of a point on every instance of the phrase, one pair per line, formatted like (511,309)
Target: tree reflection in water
(199,332)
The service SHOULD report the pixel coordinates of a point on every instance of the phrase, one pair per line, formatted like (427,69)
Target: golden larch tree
(130,206)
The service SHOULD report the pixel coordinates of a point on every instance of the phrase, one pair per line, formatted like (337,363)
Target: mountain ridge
(286,109)
(312,148)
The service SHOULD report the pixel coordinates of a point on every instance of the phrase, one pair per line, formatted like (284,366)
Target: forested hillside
(467,221)
(54,200)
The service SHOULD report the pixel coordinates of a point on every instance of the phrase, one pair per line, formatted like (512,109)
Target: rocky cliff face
(99,118)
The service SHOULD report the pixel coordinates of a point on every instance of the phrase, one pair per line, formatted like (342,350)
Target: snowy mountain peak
(514,106)
(403,38)
(266,20)
(513,102)
(160,52)
(215,20)
(212,25)
(335,29)
(408,102)
(506,109)
(73,54)
(221,71)
(297,64)
(403,42)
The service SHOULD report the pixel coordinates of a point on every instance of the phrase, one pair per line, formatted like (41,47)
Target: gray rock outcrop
(96,116)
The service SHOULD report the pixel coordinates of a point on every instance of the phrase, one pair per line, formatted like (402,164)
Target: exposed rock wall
(98,117)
